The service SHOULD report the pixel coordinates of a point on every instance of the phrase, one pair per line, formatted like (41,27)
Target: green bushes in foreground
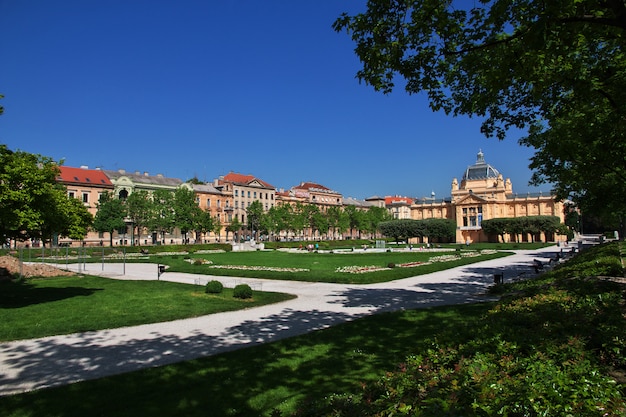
(553,347)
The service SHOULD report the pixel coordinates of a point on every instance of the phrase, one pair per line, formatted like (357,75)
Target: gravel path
(27,365)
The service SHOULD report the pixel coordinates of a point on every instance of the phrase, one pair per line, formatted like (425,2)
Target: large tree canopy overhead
(555,69)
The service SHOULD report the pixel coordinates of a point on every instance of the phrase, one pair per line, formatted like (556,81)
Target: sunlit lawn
(62,305)
(323,267)
(280,375)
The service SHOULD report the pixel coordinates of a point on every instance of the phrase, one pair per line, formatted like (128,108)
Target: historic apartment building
(481,194)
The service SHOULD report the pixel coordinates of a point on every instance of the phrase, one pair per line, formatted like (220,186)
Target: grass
(63,305)
(535,317)
(322,267)
(253,381)
(288,374)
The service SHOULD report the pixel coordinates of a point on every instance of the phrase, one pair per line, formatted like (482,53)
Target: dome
(480,170)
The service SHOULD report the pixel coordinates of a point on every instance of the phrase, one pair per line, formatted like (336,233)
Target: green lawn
(323,267)
(559,324)
(63,305)
(253,381)
(563,330)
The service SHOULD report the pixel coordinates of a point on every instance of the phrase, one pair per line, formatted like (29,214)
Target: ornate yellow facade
(483,194)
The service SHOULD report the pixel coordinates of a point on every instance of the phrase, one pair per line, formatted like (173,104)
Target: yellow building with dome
(484,194)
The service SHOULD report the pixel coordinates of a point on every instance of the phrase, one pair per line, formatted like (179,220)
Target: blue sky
(200,88)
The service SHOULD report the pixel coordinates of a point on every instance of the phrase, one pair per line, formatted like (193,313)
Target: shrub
(242,291)
(213,287)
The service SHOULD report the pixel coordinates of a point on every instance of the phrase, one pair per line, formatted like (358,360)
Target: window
(71,194)
(236,193)
(208,202)
(86,198)
(219,203)
(248,194)
(472,216)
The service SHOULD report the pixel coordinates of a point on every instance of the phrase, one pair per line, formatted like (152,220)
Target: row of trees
(32,204)
(299,219)
(531,225)
(162,211)
(436,230)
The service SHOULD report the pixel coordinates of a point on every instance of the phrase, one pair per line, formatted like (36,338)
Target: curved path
(51,361)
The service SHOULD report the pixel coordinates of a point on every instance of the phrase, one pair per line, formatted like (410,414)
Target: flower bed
(359,269)
(260,268)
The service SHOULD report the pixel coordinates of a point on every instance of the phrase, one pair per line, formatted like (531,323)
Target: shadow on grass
(17,294)
(242,382)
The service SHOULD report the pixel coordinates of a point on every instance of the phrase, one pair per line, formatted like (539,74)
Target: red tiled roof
(392,200)
(309,185)
(84,176)
(242,179)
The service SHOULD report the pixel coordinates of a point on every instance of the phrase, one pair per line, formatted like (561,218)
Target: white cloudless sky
(200,88)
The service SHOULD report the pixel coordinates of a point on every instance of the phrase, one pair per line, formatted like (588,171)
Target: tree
(186,211)
(161,212)
(75,219)
(110,215)
(281,219)
(30,195)
(255,213)
(204,223)
(374,216)
(217,228)
(495,227)
(439,230)
(337,220)
(138,209)
(355,219)
(401,229)
(234,227)
(555,70)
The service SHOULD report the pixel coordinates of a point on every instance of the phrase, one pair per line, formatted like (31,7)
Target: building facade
(484,194)
(87,185)
(245,190)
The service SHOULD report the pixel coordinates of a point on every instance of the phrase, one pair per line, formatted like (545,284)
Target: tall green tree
(110,215)
(30,195)
(254,214)
(217,228)
(203,223)
(555,70)
(374,216)
(186,211)
(139,211)
(234,227)
(161,212)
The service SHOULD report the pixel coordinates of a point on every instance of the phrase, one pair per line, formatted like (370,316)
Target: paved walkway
(52,361)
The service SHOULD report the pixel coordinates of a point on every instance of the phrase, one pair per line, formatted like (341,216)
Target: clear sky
(201,88)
